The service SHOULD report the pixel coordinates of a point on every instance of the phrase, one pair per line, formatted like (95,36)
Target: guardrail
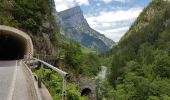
(42,57)
(36,95)
(47,58)
(62,73)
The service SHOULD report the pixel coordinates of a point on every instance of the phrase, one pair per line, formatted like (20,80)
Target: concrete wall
(89,83)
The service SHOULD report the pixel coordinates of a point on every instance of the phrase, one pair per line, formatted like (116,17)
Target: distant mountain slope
(77,28)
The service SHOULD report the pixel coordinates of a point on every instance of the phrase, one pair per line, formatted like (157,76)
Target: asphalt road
(7,78)
(14,84)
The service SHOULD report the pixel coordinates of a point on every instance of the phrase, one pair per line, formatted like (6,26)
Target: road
(7,78)
(13,82)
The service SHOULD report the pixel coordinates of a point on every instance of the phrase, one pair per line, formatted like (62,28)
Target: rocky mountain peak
(79,30)
(74,16)
(71,12)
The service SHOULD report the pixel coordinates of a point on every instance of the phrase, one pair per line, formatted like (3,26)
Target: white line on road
(12,87)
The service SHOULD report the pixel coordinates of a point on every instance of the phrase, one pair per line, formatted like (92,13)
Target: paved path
(7,76)
(13,82)
(22,90)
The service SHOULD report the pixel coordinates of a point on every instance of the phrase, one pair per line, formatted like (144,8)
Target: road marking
(12,87)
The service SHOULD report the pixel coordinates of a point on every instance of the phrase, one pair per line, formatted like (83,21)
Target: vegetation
(86,50)
(30,16)
(73,57)
(26,15)
(54,84)
(33,17)
(104,90)
(141,60)
(140,63)
(77,62)
(91,65)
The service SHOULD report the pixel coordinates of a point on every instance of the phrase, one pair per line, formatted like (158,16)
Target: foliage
(141,60)
(73,57)
(25,14)
(29,16)
(54,83)
(162,66)
(104,90)
(77,62)
(88,50)
(91,65)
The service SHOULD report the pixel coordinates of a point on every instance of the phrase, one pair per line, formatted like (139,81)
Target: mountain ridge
(77,28)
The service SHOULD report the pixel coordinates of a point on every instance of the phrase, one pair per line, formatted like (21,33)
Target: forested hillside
(140,68)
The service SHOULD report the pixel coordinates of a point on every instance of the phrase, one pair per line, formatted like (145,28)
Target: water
(102,73)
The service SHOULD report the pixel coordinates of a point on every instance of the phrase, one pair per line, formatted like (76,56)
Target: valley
(135,68)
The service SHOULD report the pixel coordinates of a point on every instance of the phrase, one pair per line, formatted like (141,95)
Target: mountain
(77,29)
(141,60)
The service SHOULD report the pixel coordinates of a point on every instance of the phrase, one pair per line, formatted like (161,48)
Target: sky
(112,18)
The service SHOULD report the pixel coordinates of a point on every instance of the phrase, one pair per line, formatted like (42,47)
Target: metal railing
(60,72)
(47,58)
(36,95)
(42,57)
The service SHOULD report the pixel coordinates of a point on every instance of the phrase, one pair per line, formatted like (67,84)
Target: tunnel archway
(14,44)
(86,92)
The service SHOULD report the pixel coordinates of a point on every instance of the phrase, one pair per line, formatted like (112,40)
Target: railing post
(38,56)
(25,58)
(41,76)
(42,71)
(39,82)
(29,59)
(64,88)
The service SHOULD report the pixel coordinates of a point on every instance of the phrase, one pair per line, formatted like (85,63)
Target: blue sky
(110,17)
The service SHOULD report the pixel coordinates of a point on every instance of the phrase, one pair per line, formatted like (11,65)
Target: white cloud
(113,16)
(109,1)
(115,34)
(122,1)
(98,4)
(105,1)
(61,7)
(65,4)
(82,2)
(116,30)
(115,23)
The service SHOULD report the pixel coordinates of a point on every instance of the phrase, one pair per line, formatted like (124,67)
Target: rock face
(73,21)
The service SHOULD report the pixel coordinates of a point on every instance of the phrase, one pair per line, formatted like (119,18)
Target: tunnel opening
(12,46)
(86,92)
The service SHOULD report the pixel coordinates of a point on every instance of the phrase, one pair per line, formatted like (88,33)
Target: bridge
(17,81)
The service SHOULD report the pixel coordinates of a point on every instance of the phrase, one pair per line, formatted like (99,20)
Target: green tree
(73,57)
(162,66)
(91,64)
